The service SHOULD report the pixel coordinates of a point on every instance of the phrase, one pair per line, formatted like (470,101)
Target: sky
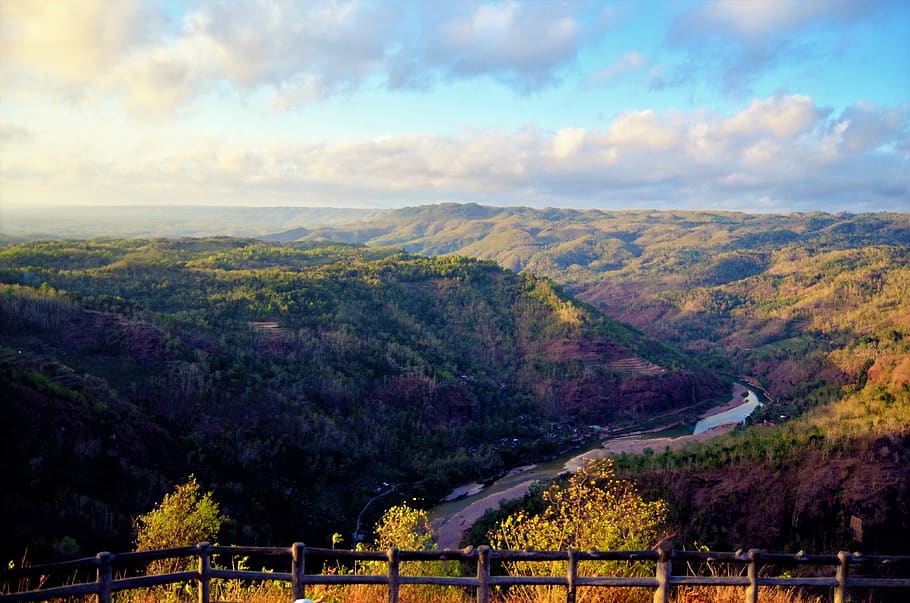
(743,105)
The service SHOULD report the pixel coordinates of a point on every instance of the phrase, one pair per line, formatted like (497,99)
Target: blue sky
(750,105)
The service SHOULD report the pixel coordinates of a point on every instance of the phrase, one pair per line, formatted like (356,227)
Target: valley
(278,278)
(276,367)
(466,504)
(271,369)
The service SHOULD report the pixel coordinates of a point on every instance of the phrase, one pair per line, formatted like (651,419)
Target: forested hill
(292,379)
(815,307)
(579,244)
(798,301)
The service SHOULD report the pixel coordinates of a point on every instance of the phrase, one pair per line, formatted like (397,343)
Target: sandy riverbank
(737,398)
(637,445)
(477,487)
(449,533)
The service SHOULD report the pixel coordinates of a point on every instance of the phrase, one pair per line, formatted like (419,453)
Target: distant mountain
(291,379)
(576,244)
(19,223)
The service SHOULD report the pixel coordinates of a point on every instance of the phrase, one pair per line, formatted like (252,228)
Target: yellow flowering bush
(593,510)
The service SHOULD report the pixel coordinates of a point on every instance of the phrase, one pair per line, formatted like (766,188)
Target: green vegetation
(811,306)
(186,516)
(300,375)
(799,302)
(292,379)
(592,510)
(406,529)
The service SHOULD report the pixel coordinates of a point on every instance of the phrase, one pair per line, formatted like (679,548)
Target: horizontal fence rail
(103,566)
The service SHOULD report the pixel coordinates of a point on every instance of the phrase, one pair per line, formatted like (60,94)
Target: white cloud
(641,158)
(785,147)
(304,51)
(780,116)
(159,80)
(272,41)
(761,153)
(755,19)
(11,133)
(866,126)
(508,36)
(300,90)
(567,142)
(629,63)
(523,45)
(126,49)
(643,129)
(70,42)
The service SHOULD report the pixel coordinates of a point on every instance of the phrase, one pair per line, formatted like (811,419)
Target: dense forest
(815,308)
(800,302)
(298,373)
(295,380)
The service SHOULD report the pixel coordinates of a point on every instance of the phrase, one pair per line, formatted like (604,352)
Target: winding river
(734,415)
(467,503)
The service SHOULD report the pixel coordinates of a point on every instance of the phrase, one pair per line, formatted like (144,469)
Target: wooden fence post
(840,591)
(483,574)
(752,571)
(394,563)
(105,577)
(664,570)
(298,571)
(571,575)
(205,564)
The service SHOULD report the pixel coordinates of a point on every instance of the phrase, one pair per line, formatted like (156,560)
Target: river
(468,502)
(734,415)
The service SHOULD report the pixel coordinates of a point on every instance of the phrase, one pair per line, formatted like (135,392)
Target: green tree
(405,528)
(409,529)
(186,516)
(337,539)
(592,510)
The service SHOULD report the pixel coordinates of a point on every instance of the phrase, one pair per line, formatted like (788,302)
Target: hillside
(292,379)
(753,294)
(814,307)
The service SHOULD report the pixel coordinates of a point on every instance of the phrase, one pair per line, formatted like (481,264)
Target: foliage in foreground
(593,510)
(619,518)
(185,517)
(408,529)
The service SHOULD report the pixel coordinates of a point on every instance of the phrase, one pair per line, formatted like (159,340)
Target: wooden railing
(111,572)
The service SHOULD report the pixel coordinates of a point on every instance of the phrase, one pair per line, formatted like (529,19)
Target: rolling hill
(814,308)
(314,320)
(292,379)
